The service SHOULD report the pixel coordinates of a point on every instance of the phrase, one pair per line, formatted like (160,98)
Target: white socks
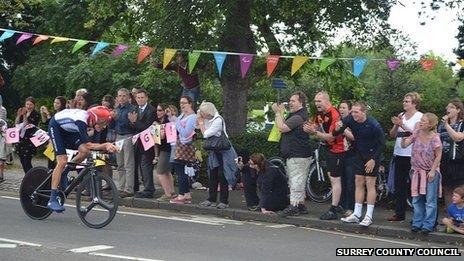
(370,210)
(358,209)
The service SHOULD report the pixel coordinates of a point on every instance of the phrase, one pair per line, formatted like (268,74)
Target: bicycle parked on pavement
(95,211)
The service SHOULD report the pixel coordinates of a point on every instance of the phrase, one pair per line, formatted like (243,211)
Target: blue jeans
(193,93)
(182,178)
(425,206)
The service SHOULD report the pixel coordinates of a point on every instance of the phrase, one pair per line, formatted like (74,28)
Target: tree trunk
(237,37)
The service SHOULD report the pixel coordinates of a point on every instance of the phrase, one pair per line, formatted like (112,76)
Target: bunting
(143,53)
(79,45)
(245,62)
(59,39)
(167,57)
(40,38)
(99,47)
(427,64)
(119,50)
(219,58)
(326,62)
(6,34)
(393,64)
(298,61)
(271,63)
(358,66)
(24,37)
(192,60)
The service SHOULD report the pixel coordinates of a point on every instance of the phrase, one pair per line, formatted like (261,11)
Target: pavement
(237,211)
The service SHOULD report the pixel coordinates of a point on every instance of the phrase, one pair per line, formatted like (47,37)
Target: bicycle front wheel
(318,189)
(97,200)
(34,199)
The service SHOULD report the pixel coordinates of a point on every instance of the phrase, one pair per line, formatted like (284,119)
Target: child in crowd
(455,221)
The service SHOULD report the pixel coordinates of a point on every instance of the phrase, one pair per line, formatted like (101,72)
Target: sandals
(178,200)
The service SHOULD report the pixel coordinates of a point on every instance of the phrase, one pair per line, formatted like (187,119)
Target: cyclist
(68,130)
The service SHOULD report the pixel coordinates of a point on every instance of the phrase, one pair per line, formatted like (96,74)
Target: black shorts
(359,168)
(335,164)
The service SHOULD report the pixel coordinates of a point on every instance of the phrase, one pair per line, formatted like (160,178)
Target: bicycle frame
(320,174)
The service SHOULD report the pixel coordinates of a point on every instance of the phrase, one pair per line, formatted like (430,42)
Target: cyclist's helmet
(99,114)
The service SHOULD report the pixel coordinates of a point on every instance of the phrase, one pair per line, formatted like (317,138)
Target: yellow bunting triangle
(461,62)
(50,152)
(168,54)
(298,61)
(59,39)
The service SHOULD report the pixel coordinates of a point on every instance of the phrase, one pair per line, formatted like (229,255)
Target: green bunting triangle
(192,60)
(79,45)
(326,62)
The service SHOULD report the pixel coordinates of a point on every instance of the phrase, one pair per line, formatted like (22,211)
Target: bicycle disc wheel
(318,190)
(99,208)
(33,204)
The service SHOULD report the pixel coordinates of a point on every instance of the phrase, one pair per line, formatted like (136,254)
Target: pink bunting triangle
(119,50)
(24,37)
(393,64)
(245,62)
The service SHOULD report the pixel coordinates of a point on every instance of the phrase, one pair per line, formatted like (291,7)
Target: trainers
(367,221)
(164,198)
(289,211)
(347,213)
(339,210)
(329,215)
(222,206)
(303,209)
(54,205)
(425,231)
(206,203)
(253,208)
(415,229)
(350,219)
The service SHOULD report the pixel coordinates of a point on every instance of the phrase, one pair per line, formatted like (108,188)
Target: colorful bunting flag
(99,47)
(167,57)
(461,62)
(79,45)
(143,53)
(245,62)
(24,37)
(171,132)
(40,38)
(6,34)
(147,139)
(12,135)
(219,58)
(326,62)
(393,64)
(119,50)
(298,61)
(427,64)
(358,65)
(59,39)
(49,152)
(193,59)
(271,63)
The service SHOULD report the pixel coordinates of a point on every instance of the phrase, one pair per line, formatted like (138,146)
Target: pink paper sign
(135,138)
(147,139)
(171,132)
(12,135)
(40,138)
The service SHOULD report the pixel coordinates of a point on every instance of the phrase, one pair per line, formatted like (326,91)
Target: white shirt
(411,123)
(214,127)
(142,108)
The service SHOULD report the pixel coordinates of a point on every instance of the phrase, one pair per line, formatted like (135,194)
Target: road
(137,234)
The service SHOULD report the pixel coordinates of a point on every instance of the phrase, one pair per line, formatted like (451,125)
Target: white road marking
(7,197)
(21,243)
(89,249)
(123,257)
(280,226)
(362,237)
(8,245)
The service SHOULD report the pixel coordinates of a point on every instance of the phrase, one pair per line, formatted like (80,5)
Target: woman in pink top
(425,177)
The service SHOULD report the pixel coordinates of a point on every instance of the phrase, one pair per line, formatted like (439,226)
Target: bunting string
(246,59)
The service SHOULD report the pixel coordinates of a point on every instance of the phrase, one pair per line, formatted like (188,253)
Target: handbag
(215,143)
(457,148)
(184,152)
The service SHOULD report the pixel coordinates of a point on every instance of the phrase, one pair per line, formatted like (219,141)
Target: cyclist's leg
(56,137)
